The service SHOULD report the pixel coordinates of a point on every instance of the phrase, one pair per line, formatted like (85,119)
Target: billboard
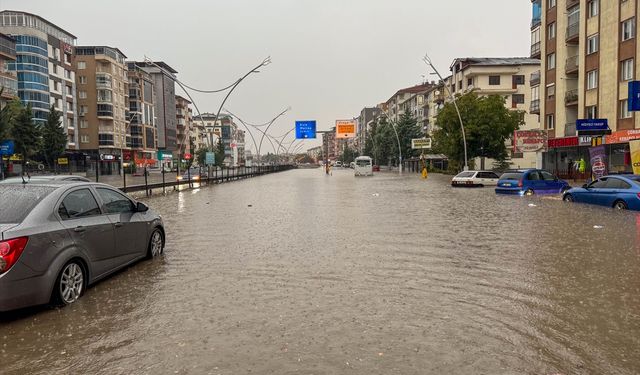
(598,161)
(421,143)
(345,129)
(529,140)
(635,156)
(306,129)
(7,148)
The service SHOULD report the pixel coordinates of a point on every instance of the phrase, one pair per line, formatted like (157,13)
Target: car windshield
(363,163)
(465,174)
(512,176)
(16,201)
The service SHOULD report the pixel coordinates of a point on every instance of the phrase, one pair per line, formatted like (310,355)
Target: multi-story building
(508,77)
(43,65)
(395,103)
(366,118)
(103,104)
(165,107)
(315,153)
(434,101)
(183,125)
(198,133)
(226,129)
(8,77)
(141,137)
(329,144)
(238,148)
(589,56)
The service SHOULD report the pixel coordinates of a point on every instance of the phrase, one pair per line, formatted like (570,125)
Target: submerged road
(299,272)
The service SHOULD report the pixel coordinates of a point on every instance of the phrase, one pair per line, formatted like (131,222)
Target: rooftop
(162,64)
(494,61)
(17,12)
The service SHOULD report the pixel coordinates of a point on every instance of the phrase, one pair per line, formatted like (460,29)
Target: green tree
(8,116)
(385,142)
(54,139)
(348,155)
(219,150)
(408,129)
(201,155)
(369,144)
(26,135)
(488,125)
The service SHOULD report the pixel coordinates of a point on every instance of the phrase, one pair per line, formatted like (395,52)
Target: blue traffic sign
(634,96)
(210,158)
(305,129)
(6,148)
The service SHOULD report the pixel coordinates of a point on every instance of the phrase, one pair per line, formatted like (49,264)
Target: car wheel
(620,205)
(529,192)
(156,244)
(70,284)
(568,198)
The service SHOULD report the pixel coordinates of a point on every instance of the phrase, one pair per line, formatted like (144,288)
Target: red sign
(529,140)
(187,156)
(563,142)
(622,136)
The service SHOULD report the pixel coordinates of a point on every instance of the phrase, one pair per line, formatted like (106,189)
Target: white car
(475,179)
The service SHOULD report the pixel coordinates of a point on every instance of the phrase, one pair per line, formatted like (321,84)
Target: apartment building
(44,69)
(226,129)
(330,145)
(366,118)
(589,56)
(183,125)
(8,77)
(103,104)
(509,77)
(434,101)
(395,104)
(141,135)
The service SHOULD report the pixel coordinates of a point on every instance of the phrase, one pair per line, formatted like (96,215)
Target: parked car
(59,177)
(475,179)
(59,237)
(338,164)
(195,174)
(376,168)
(352,165)
(621,192)
(530,182)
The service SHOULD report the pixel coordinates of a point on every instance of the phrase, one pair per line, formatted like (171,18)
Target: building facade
(183,125)
(141,137)
(8,76)
(365,120)
(44,69)
(103,105)
(589,55)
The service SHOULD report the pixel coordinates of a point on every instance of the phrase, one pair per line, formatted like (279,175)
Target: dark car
(57,238)
(619,192)
(530,182)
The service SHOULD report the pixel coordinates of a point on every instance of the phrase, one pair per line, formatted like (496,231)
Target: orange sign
(345,129)
(622,136)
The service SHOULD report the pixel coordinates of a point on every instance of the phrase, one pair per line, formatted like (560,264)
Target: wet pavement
(299,272)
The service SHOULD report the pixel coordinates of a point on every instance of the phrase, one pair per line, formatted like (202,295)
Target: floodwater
(299,272)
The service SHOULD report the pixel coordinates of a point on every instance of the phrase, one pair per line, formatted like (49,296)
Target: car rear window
(16,201)
(511,176)
(466,174)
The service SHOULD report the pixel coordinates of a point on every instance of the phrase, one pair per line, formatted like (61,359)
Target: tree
(348,155)
(219,150)
(8,117)
(385,142)
(201,155)
(488,125)
(26,135)
(408,129)
(54,139)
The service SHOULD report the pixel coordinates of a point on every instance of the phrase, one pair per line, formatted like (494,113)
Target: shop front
(618,150)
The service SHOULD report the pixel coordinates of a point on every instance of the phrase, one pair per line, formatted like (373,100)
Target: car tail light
(519,183)
(10,251)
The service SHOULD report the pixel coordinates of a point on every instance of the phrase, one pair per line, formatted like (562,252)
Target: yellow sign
(345,129)
(63,161)
(16,157)
(635,156)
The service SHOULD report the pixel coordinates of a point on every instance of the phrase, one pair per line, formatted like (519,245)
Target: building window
(592,112)
(551,92)
(594,6)
(518,80)
(517,99)
(84,124)
(67,58)
(626,70)
(551,30)
(84,110)
(593,44)
(469,82)
(84,139)
(551,122)
(82,65)
(460,85)
(82,80)
(628,29)
(82,94)
(551,61)
(624,109)
(551,4)
(494,80)
(592,79)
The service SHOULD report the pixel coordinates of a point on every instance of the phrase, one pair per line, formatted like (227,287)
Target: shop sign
(634,96)
(585,140)
(598,161)
(634,147)
(562,142)
(529,140)
(592,125)
(63,161)
(622,136)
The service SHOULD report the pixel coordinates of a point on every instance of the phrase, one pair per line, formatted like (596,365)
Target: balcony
(535,50)
(570,129)
(535,107)
(571,66)
(535,78)
(571,3)
(571,98)
(573,33)
(535,22)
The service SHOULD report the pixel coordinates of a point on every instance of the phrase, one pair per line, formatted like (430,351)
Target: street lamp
(427,61)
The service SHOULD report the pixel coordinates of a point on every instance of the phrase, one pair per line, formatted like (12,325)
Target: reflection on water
(302,272)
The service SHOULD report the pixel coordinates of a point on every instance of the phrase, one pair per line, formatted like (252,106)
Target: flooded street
(298,272)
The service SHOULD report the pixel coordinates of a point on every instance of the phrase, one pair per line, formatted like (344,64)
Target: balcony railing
(535,106)
(571,97)
(535,78)
(573,32)
(535,49)
(570,129)
(571,66)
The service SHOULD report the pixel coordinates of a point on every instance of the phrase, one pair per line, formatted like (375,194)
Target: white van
(364,166)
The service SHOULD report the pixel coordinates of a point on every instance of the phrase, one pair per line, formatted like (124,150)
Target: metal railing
(571,97)
(573,31)
(535,49)
(535,106)
(571,65)
(535,78)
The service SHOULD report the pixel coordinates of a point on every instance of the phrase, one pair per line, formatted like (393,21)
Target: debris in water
(375,194)
(532,205)
(598,227)
(249,205)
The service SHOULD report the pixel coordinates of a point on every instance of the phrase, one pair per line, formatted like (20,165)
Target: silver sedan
(57,238)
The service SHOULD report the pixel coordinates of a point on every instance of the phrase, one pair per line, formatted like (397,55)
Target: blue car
(619,192)
(530,182)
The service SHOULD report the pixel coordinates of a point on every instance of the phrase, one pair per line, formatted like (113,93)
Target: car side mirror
(141,207)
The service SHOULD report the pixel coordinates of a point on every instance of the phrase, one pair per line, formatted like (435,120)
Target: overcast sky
(330,57)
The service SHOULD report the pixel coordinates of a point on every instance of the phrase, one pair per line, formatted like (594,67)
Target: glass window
(17,201)
(512,176)
(79,203)
(592,112)
(551,61)
(518,80)
(551,91)
(551,30)
(547,176)
(616,183)
(494,80)
(114,202)
(593,44)
(517,98)
(624,109)
(551,123)
(82,65)
(551,4)
(628,29)
(466,174)
(626,70)
(594,6)
(592,79)
(598,184)
(534,176)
